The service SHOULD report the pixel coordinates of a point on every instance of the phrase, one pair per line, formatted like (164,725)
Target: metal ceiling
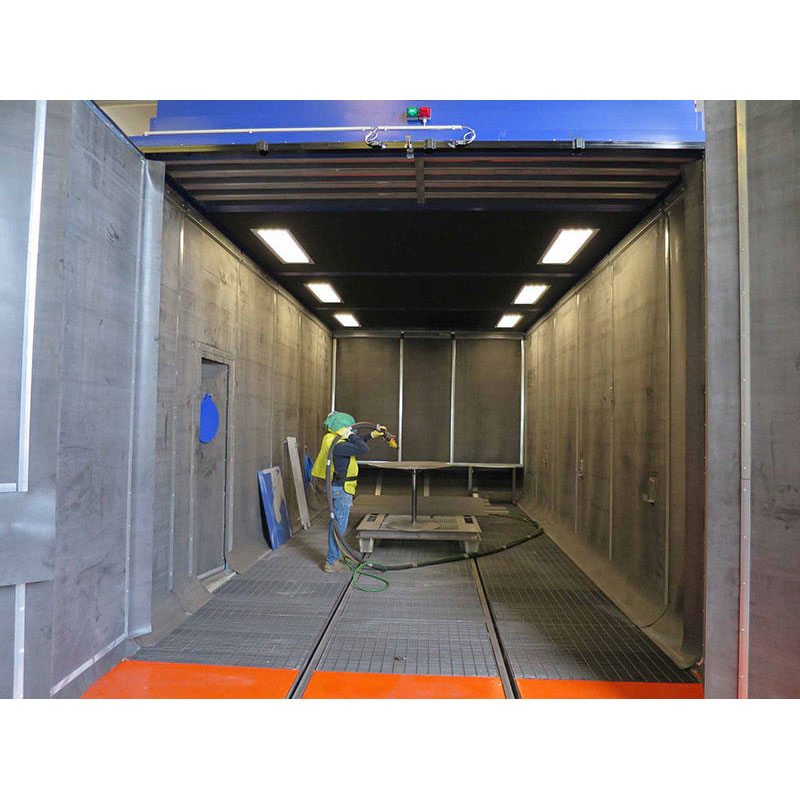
(230,181)
(494,208)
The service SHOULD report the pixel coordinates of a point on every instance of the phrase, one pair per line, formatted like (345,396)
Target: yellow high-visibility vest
(319,470)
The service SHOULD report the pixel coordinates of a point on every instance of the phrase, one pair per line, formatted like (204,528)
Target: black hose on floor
(360,564)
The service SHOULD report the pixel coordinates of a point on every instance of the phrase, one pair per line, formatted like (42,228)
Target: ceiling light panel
(509,320)
(283,245)
(530,293)
(567,243)
(347,320)
(324,292)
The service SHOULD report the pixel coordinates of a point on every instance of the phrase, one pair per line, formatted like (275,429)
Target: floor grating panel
(553,622)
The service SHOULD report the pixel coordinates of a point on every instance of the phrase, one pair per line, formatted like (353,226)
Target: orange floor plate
(379,686)
(156,680)
(557,690)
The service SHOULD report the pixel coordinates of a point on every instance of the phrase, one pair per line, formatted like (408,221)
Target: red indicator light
(424,112)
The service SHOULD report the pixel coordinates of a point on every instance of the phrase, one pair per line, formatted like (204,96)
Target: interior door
(211,456)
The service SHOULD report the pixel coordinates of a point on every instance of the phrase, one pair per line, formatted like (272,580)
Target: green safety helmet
(337,420)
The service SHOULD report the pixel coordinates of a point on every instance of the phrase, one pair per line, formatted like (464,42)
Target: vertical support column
(333,376)
(18,685)
(400,407)
(453,401)
(413,496)
(668,426)
(34,223)
(723,404)
(744,398)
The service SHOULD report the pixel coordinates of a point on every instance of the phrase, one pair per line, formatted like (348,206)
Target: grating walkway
(429,621)
(555,623)
(270,616)
(552,621)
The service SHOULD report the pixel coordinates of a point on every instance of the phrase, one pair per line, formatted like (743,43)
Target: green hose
(359,570)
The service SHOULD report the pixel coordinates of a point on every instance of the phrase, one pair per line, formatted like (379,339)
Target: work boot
(337,566)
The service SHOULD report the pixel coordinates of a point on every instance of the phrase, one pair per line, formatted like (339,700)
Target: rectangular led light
(284,245)
(508,320)
(347,320)
(324,292)
(566,245)
(530,293)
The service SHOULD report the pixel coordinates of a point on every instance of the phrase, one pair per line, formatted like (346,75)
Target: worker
(345,473)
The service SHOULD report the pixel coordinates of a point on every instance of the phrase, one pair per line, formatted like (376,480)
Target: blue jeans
(341,511)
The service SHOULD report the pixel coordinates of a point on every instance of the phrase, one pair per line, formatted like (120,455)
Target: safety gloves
(380,430)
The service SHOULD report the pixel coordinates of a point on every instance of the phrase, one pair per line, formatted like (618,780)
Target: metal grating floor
(271,616)
(429,621)
(553,622)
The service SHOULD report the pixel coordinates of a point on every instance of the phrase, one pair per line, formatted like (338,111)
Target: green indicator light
(412,111)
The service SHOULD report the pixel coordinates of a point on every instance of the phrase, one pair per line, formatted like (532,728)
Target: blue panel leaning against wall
(649,121)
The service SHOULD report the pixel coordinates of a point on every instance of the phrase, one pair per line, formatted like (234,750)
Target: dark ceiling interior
(440,241)
(443,270)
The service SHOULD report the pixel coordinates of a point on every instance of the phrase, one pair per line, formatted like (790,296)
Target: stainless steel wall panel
(7,594)
(773,179)
(531,387)
(210,296)
(214,300)
(144,425)
(368,385)
(487,431)
(315,355)
(286,392)
(101,254)
(638,440)
(722,518)
(687,403)
(426,399)
(565,388)
(594,413)
(641,407)
(252,412)
(543,417)
(166,437)
(27,519)
(16,163)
